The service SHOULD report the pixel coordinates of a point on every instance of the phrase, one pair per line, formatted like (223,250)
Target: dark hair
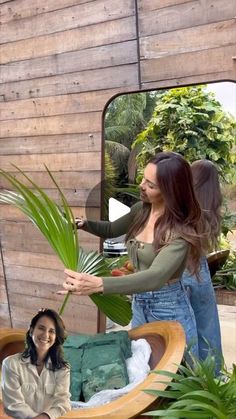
(182,212)
(207,189)
(55,352)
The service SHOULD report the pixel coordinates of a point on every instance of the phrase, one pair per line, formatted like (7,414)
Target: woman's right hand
(79,222)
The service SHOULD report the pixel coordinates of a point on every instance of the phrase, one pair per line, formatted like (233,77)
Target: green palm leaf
(57,224)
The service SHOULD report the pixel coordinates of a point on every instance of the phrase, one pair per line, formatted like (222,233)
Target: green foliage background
(190,121)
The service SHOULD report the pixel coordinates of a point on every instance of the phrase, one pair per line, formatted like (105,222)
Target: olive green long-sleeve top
(153,269)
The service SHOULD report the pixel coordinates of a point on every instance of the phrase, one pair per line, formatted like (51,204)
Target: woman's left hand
(81,283)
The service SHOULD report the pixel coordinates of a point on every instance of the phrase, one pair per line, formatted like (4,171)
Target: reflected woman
(201,291)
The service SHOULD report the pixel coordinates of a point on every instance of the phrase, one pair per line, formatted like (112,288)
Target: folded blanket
(137,368)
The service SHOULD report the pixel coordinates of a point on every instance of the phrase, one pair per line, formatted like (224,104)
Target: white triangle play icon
(116,209)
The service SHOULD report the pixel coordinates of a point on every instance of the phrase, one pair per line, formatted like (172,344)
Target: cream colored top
(26,394)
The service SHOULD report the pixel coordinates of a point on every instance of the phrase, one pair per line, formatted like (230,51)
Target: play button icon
(116,209)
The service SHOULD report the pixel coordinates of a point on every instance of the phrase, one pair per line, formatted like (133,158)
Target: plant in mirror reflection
(57,224)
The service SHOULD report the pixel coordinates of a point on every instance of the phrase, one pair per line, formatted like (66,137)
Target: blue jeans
(169,303)
(203,301)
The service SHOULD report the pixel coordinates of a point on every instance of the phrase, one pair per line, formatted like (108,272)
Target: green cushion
(97,362)
(102,370)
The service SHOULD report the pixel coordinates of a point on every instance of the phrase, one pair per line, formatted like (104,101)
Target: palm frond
(57,224)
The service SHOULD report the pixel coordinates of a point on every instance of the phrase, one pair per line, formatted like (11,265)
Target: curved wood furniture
(167,340)
(216,260)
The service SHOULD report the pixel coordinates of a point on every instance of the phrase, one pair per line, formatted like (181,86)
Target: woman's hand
(81,283)
(79,222)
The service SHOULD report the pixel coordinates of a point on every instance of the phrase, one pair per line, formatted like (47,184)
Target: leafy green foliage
(190,121)
(228,222)
(196,393)
(226,277)
(127,115)
(109,185)
(57,224)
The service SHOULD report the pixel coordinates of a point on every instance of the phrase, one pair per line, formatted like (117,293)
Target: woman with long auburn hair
(200,290)
(162,239)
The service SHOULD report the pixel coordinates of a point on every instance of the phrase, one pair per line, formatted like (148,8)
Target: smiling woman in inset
(35,383)
(162,239)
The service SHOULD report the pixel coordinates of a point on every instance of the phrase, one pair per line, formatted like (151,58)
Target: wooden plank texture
(217,76)
(77,318)
(204,37)
(20,9)
(68,62)
(33,260)
(72,40)
(66,180)
(186,15)
(10,213)
(62,143)
(154,5)
(25,237)
(66,19)
(61,124)
(4,316)
(4,307)
(78,197)
(35,162)
(188,65)
(58,105)
(106,78)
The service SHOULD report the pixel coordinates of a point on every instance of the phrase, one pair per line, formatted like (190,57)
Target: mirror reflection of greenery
(226,276)
(188,120)
(192,122)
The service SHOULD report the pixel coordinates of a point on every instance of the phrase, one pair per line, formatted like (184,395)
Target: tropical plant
(109,184)
(226,277)
(189,120)
(119,156)
(196,393)
(57,224)
(127,115)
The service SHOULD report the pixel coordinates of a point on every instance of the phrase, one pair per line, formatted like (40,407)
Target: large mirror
(200,123)
(196,121)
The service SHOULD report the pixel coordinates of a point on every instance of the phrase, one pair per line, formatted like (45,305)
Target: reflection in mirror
(196,121)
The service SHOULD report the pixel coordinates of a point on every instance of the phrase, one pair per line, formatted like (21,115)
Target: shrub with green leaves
(190,121)
(196,393)
(226,277)
(57,224)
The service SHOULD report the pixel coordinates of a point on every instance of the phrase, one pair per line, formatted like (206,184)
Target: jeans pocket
(163,312)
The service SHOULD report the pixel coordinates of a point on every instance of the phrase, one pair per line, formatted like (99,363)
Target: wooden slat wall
(186,42)
(60,63)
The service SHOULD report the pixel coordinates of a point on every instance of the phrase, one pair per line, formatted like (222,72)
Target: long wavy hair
(55,353)
(207,189)
(182,213)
